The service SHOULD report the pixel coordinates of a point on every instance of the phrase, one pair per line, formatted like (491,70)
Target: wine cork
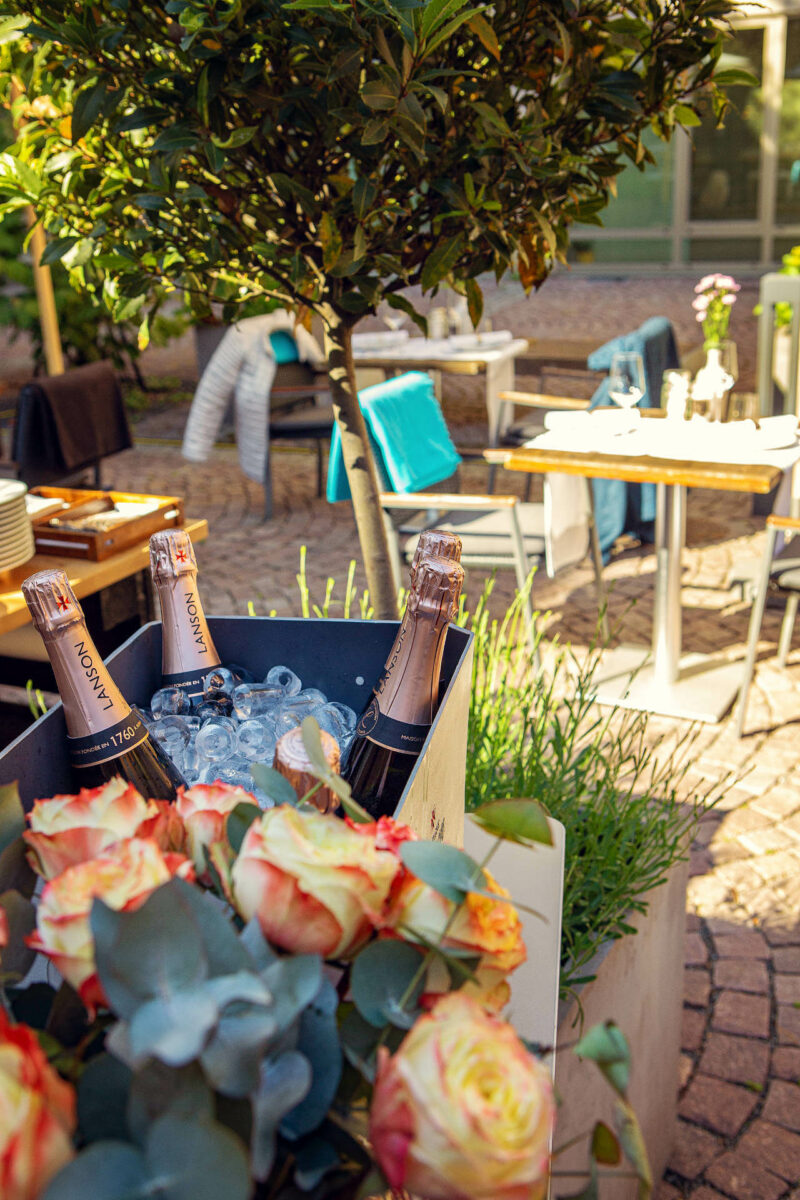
(291,760)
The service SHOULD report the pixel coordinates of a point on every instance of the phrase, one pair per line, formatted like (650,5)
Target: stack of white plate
(16,531)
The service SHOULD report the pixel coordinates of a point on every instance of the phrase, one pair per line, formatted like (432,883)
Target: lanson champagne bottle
(188,652)
(105,736)
(392,729)
(436,543)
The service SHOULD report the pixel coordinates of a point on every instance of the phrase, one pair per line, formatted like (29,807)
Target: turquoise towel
(408,434)
(284,347)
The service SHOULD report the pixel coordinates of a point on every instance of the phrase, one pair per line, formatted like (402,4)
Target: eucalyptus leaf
(103,1090)
(156,1090)
(318,1041)
(173,1028)
(108,1170)
(16,958)
(523,821)
(284,1082)
(445,868)
(384,974)
(238,822)
(273,784)
(12,816)
(196,1160)
(607,1046)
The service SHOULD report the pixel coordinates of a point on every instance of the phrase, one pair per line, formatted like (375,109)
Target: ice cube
(256,699)
(285,679)
(257,740)
(311,696)
(214,708)
(348,716)
(172,731)
(169,702)
(218,680)
(215,742)
(241,674)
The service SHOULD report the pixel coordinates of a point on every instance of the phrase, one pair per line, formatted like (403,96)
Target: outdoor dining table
(482,355)
(662,679)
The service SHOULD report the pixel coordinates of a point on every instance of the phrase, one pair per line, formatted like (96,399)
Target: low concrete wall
(639,985)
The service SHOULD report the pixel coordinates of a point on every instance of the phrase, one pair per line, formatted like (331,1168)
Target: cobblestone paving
(739,1128)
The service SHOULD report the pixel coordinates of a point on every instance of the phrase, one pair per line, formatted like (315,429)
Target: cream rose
(203,810)
(462,1111)
(315,883)
(37,1115)
(123,877)
(490,929)
(66,830)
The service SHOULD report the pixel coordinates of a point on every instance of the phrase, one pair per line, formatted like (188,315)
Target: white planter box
(639,985)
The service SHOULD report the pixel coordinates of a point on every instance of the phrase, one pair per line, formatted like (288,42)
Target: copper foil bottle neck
(52,602)
(436,543)
(436,590)
(292,761)
(171,555)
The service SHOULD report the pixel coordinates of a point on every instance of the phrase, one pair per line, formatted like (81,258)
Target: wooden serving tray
(162,512)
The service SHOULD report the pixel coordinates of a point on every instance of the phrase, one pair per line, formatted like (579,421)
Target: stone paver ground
(739,1128)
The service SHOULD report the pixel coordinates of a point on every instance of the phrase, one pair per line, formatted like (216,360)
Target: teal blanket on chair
(408,434)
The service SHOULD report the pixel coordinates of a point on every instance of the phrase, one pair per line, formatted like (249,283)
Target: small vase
(712,385)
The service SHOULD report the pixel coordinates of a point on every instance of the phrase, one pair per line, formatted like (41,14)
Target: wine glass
(626,379)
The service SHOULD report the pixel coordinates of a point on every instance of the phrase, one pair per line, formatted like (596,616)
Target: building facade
(726,197)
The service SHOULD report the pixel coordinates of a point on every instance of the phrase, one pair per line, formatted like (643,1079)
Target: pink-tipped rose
(490,929)
(123,877)
(315,883)
(203,810)
(37,1115)
(462,1111)
(67,830)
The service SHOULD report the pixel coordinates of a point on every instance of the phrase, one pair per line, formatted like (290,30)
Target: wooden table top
(726,477)
(85,577)
(457,362)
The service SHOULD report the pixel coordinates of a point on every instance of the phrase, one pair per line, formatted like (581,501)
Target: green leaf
(605,1147)
(157,1090)
(196,1160)
(485,34)
(318,1041)
(606,1045)
(87,108)
(54,251)
(448,870)
(436,12)
(12,815)
(686,115)
(523,821)
(474,302)
(331,241)
(381,975)
(402,304)
(161,933)
(106,1171)
(273,784)
(378,94)
(11,27)
(735,77)
(239,137)
(363,197)
(441,261)
(285,1081)
(102,1099)
(16,958)
(238,822)
(321,768)
(632,1142)
(178,137)
(173,1028)
(374,131)
(355,812)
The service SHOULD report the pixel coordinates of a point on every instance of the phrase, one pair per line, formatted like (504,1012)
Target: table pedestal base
(704,690)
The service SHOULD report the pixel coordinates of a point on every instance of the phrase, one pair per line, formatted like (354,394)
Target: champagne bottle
(393,727)
(105,736)
(188,652)
(291,760)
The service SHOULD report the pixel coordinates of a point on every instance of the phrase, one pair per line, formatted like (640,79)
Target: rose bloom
(489,929)
(462,1111)
(67,830)
(203,810)
(123,877)
(37,1115)
(317,884)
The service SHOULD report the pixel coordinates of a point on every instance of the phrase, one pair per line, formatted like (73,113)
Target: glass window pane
(644,198)
(788,204)
(624,250)
(724,250)
(725,162)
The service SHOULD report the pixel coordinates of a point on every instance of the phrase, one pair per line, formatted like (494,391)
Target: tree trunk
(360,467)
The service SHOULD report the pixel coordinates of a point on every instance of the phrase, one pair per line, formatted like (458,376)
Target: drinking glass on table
(626,379)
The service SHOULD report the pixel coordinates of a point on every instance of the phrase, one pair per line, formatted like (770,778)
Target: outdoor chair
(297,413)
(777,574)
(413,452)
(619,507)
(65,424)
